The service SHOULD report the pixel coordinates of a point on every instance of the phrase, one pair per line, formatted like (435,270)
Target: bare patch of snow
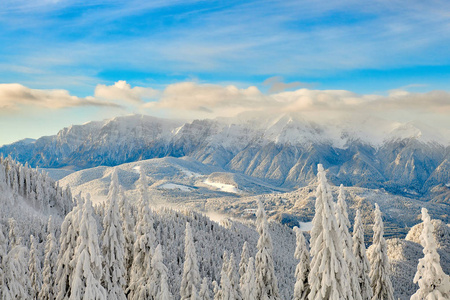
(172,186)
(223,187)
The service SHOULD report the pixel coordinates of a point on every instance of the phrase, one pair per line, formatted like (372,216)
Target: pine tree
(243,263)
(327,277)
(67,243)
(266,281)
(87,260)
(3,253)
(191,274)
(48,291)
(34,269)
(204,290)
(128,226)
(113,246)
(249,282)
(226,290)
(379,262)
(433,282)
(347,244)
(234,278)
(301,288)
(142,254)
(17,283)
(158,279)
(143,188)
(362,263)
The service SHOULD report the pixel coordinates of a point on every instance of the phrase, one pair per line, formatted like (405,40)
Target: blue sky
(367,47)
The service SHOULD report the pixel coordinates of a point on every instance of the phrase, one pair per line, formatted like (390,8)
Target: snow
(172,186)
(223,187)
(305,226)
(190,173)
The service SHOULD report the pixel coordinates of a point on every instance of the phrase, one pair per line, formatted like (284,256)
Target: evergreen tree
(266,281)
(226,290)
(243,263)
(142,254)
(362,263)
(204,290)
(87,260)
(34,269)
(113,246)
(128,226)
(379,262)
(191,274)
(67,243)
(17,283)
(327,276)
(433,282)
(158,279)
(347,244)
(48,291)
(301,288)
(3,253)
(234,278)
(249,282)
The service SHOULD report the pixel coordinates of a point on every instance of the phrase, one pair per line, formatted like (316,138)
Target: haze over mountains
(411,159)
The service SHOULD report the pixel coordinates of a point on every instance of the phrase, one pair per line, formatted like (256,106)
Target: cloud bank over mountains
(198,100)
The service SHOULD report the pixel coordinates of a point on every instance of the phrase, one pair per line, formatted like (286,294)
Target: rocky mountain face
(283,151)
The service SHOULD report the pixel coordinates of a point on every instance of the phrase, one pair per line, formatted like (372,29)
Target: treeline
(120,250)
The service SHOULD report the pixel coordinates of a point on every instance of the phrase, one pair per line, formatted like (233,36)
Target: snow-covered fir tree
(17,283)
(327,276)
(245,256)
(226,291)
(128,225)
(362,262)
(113,242)
(249,282)
(48,290)
(142,253)
(67,244)
(233,275)
(433,282)
(191,275)
(266,281)
(301,288)
(158,280)
(3,253)
(87,260)
(379,262)
(34,270)
(347,244)
(204,290)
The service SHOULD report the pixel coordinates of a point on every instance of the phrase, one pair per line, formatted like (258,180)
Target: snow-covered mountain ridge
(408,158)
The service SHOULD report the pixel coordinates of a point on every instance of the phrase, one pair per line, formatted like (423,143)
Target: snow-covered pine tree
(67,245)
(327,277)
(226,290)
(13,238)
(249,282)
(243,263)
(379,262)
(34,269)
(142,253)
(347,244)
(266,281)
(433,282)
(17,281)
(158,276)
(301,288)
(48,290)
(128,225)
(87,260)
(143,188)
(362,262)
(113,242)
(3,253)
(204,290)
(191,274)
(234,278)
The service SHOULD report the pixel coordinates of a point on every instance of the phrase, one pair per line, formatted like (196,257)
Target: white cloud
(122,91)
(13,96)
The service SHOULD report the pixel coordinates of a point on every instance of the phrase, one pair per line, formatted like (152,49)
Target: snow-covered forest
(57,246)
